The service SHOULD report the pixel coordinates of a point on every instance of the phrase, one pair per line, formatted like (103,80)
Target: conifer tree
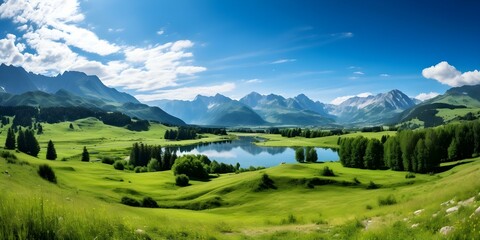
(31,144)
(21,141)
(10,141)
(85,155)
(51,153)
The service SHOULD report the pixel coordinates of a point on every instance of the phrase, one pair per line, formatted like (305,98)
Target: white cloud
(449,75)
(115,30)
(254,80)
(425,96)
(353,78)
(160,32)
(187,93)
(359,73)
(339,100)
(51,30)
(384,75)
(286,60)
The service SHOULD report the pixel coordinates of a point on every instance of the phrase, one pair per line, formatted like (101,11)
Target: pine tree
(31,143)
(300,154)
(453,150)
(51,153)
(71,126)
(21,141)
(85,155)
(39,129)
(10,141)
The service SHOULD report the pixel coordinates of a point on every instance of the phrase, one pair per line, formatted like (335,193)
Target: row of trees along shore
(419,151)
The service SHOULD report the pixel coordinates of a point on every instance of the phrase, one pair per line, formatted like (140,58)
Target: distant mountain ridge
(16,80)
(18,87)
(216,110)
(378,109)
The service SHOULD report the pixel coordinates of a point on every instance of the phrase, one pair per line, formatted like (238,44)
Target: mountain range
(256,109)
(19,87)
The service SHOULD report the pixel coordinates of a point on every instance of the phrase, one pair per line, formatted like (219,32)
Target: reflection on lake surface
(248,154)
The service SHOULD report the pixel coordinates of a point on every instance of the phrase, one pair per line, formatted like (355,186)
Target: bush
(410,175)
(6,155)
(327,172)
(130,202)
(148,202)
(46,172)
(291,219)
(356,181)
(368,207)
(191,166)
(372,185)
(389,200)
(265,183)
(108,160)
(139,169)
(119,165)
(182,180)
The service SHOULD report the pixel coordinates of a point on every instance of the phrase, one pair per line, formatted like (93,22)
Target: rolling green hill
(455,104)
(85,202)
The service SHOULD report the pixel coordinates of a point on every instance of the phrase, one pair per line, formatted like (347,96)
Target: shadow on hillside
(448,167)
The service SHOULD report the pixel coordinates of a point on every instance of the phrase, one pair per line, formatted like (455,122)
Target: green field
(85,203)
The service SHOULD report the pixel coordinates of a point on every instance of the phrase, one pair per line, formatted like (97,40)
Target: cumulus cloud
(188,93)
(160,32)
(384,75)
(340,100)
(52,32)
(359,73)
(283,61)
(449,75)
(425,96)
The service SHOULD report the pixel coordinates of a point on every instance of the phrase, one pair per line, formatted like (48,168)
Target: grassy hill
(85,203)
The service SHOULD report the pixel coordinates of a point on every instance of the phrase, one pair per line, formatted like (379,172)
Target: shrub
(265,183)
(6,155)
(130,202)
(389,200)
(327,172)
(410,175)
(191,166)
(356,181)
(182,180)
(372,185)
(46,172)
(368,207)
(108,160)
(119,165)
(291,219)
(139,169)
(148,202)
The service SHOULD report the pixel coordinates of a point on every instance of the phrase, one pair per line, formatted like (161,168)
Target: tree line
(309,133)
(191,132)
(419,151)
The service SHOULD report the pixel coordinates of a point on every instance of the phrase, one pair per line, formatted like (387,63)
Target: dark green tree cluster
(27,142)
(139,125)
(309,133)
(308,154)
(419,151)
(5,120)
(216,167)
(291,132)
(10,140)
(361,152)
(192,166)
(153,156)
(181,134)
(117,119)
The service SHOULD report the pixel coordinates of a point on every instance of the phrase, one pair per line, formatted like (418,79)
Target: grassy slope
(93,191)
(275,140)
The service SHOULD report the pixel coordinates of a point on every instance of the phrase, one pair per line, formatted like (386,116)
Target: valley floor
(85,202)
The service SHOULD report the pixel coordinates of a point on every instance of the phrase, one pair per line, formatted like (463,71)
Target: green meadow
(85,202)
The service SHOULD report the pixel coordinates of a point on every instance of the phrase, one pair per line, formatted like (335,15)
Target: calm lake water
(248,154)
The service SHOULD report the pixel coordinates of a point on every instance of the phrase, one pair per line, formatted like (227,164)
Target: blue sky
(177,49)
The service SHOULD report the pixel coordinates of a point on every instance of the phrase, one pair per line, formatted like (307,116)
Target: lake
(244,151)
